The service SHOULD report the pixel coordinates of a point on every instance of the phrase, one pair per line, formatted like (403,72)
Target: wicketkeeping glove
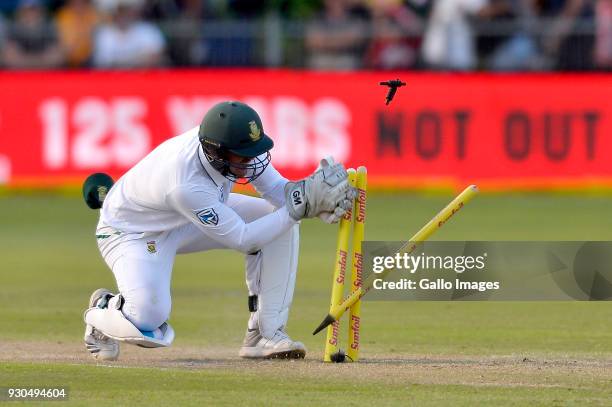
(326,190)
(343,207)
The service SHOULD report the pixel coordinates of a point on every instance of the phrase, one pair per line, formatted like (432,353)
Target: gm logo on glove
(297,197)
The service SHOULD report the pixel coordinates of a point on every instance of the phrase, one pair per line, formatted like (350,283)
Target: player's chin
(239,173)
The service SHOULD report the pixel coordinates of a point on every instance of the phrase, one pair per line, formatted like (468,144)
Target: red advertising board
(441,129)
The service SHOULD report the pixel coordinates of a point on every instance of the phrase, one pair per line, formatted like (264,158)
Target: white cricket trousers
(142,265)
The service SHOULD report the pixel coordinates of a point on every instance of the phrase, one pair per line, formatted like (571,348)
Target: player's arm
(327,190)
(219,222)
(276,189)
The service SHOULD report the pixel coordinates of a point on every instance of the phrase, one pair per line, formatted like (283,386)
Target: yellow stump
(344,230)
(336,311)
(359,210)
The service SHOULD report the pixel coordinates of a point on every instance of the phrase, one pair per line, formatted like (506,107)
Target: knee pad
(113,323)
(147,310)
(275,268)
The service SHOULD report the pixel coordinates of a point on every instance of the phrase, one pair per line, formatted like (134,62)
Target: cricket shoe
(100,346)
(280,346)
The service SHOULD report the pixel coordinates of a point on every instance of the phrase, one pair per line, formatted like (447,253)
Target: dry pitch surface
(385,379)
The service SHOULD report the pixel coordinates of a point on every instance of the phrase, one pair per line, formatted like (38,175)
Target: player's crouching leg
(106,324)
(271,275)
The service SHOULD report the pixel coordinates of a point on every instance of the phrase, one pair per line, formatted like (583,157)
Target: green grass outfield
(422,353)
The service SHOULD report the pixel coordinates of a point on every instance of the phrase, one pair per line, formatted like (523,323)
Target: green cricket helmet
(95,188)
(234,127)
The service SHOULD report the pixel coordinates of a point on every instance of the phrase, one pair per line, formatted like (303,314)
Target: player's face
(239,169)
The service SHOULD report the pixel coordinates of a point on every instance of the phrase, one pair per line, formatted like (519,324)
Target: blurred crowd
(499,35)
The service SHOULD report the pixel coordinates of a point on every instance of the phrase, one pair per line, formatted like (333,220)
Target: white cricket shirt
(175,184)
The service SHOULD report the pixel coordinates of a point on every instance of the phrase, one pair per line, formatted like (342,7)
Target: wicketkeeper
(178,199)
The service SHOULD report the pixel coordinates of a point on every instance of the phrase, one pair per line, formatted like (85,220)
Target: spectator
(31,41)
(184,31)
(518,51)
(394,44)
(128,41)
(449,39)
(565,41)
(603,47)
(335,40)
(76,22)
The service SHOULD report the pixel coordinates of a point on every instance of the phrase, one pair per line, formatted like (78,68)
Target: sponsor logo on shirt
(208,217)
